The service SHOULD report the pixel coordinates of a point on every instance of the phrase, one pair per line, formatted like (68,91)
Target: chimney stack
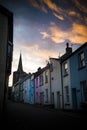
(68,49)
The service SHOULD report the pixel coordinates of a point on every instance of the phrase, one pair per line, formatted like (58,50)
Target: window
(84,90)
(82,59)
(37,82)
(67,93)
(46,77)
(41,80)
(65,68)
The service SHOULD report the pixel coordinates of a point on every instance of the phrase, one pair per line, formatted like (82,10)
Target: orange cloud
(45,35)
(76,34)
(80,5)
(60,17)
(52,5)
(72,13)
(39,5)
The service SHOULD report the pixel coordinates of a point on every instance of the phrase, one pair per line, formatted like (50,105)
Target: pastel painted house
(38,87)
(74,79)
(42,86)
(46,87)
(56,87)
(31,90)
(16,92)
(66,79)
(78,74)
(26,88)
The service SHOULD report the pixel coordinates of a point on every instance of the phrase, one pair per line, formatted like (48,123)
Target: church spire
(20,68)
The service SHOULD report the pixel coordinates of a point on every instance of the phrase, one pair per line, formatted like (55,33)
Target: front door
(74,98)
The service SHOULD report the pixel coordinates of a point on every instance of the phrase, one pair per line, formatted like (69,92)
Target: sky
(42,28)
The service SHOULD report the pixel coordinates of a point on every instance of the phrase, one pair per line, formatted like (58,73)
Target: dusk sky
(43,27)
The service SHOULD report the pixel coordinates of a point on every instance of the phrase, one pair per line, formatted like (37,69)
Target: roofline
(5,11)
(85,44)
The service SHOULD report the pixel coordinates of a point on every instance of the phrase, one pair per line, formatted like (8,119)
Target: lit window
(65,68)
(82,59)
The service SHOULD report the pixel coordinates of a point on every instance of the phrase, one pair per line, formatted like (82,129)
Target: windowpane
(82,59)
(65,68)
(84,88)
(67,93)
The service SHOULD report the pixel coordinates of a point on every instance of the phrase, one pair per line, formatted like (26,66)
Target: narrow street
(20,115)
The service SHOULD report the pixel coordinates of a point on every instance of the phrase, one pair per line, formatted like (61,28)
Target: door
(74,98)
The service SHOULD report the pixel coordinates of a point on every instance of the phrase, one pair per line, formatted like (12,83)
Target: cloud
(34,56)
(75,34)
(52,6)
(78,33)
(60,17)
(74,13)
(38,4)
(43,4)
(45,35)
(82,5)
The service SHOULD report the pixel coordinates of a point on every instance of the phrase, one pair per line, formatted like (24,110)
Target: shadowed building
(6,52)
(19,74)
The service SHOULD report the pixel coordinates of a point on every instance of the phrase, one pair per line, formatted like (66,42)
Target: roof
(5,11)
(65,56)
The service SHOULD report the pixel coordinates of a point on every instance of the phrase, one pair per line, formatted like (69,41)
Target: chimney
(39,69)
(68,49)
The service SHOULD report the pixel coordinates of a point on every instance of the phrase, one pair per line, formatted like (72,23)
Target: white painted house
(56,88)
(26,88)
(66,85)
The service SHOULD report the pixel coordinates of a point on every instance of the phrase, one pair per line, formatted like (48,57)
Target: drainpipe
(62,86)
(50,86)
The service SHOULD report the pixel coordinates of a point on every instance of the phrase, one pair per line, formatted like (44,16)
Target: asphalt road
(23,116)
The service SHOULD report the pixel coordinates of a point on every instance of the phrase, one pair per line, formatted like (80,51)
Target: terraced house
(74,78)
(56,86)
(62,83)
(42,86)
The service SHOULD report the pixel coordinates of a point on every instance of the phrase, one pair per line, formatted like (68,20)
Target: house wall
(6,34)
(66,82)
(77,75)
(37,89)
(56,87)
(26,90)
(46,87)
(16,92)
(3,48)
(31,92)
